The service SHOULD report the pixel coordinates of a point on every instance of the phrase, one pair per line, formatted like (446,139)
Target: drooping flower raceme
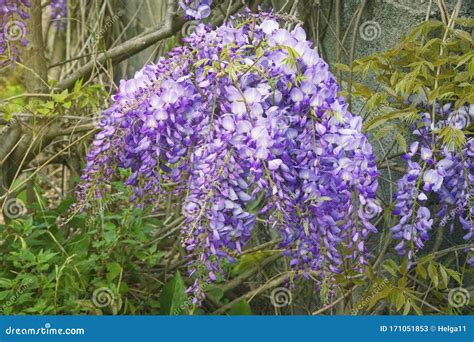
(244,114)
(13,13)
(59,13)
(441,171)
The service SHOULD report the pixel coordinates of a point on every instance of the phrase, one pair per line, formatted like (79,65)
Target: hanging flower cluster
(13,30)
(196,9)
(442,171)
(59,13)
(243,113)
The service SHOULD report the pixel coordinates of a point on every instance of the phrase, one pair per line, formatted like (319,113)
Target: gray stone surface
(384,22)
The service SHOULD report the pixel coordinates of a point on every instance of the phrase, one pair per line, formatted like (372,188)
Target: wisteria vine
(438,170)
(245,112)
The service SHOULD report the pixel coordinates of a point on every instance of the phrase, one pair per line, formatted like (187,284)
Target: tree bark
(19,146)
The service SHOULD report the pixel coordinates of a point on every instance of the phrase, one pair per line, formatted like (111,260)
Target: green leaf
(453,138)
(433,273)
(201,62)
(77,85)
(390,266)
(401,141)
(250,260)
(215,293)
(404,266)
(400,299)
(464,36)
(241,308)
(454,275)
(398,114)
(113,271)
(444,277)
(417,309)
(363,90)
(173,296)
(380,295)
(402,282)
(406,309)
(468,22)
(421,271)
(59,98)
(342,67)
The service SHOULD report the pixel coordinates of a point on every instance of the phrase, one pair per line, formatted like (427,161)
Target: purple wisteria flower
(448,174)
(242,112)
(59,13)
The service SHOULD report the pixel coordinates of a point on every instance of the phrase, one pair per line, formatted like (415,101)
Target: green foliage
(422,288)
(173,296)
(433,61)
(80,101)
(9,89)
(58,267)
(249,261)
(55,263)
(240,308)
